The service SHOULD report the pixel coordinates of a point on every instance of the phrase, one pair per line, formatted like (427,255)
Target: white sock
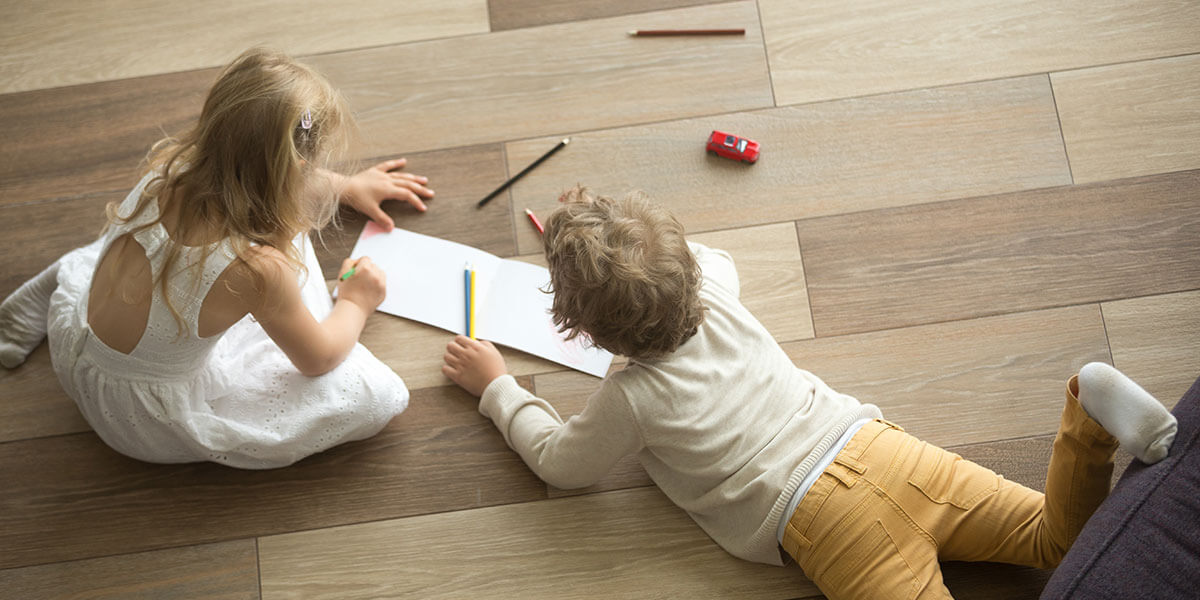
(23,317)
(1139,421)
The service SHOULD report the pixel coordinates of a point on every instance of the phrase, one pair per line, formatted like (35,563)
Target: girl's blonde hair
(622,273)
(245,171)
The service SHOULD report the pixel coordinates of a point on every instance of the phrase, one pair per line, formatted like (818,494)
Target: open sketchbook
(425,283)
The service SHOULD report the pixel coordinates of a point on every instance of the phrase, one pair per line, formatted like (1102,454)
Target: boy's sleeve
(717,267)
(567,455)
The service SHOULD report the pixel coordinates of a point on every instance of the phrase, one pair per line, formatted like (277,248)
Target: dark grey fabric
(1144,541)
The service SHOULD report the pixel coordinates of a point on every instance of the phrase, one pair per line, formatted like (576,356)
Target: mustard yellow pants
(889,507)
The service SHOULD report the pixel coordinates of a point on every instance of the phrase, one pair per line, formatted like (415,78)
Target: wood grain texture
(228,570)
(91,138)
(35,405)
(1025,460)
(52,44)
(459,178)
(830,49)
(968,381)
(33,236)
(1156,341)
(771,275)
(822,159)
(1006,253)
(617,544)
(1131,119)
(549,80)
(515,14)
(70,497)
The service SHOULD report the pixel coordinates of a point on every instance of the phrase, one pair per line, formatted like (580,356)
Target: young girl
(198,327)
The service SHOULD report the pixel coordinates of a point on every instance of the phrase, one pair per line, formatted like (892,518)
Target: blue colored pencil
(467,295)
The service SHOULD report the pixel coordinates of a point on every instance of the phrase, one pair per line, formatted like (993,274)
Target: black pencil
(514,178)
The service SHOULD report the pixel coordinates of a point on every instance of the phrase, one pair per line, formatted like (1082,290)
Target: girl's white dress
(232,398)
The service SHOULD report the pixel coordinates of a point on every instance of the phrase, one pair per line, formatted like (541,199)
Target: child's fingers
(412,186)
(457,347)
(413,200)
(391,165)
(375,213)
(409,176)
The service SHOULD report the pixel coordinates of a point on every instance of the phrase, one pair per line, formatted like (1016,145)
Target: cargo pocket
(945,478)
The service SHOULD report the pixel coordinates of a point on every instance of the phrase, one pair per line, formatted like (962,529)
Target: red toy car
(733,147)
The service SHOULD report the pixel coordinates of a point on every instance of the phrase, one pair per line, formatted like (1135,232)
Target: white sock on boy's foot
(1139,421)
(23,317)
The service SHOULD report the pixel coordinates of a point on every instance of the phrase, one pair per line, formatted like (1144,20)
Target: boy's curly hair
(622,274)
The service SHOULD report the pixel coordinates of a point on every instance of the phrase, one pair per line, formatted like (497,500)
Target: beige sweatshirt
(726,425)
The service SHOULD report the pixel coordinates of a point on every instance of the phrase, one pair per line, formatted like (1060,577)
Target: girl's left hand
(368,189)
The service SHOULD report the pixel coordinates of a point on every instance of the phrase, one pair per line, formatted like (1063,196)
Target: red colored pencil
(536,222)
(664,32)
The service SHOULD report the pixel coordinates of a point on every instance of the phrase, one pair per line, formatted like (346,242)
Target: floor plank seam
(1062,135)
(1125,62)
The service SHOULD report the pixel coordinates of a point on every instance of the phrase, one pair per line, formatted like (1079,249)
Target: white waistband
(811,477)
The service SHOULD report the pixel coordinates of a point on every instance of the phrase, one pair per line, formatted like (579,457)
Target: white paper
(425,283)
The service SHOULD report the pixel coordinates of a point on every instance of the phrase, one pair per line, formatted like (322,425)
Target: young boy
(763,454)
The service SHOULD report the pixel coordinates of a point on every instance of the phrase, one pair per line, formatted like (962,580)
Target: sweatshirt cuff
(503,398)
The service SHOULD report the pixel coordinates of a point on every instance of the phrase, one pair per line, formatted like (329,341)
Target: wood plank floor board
(91,138)
(968,381)
(52,44)
(70,497)
(771,276)
(1131,119)
(1005,253)
(550,80)
(637,543)
(821,159)
(1155,340)
(830,49)
(228,570)
(35,404)
(34,235)
(515,14)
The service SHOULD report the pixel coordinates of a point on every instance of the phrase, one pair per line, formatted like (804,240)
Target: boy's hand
(366,287)
(369,188)
(472,364)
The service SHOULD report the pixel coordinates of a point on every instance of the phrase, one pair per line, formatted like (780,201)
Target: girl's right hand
(367,287)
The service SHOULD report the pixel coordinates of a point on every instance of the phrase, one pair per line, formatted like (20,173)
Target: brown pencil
(664,32)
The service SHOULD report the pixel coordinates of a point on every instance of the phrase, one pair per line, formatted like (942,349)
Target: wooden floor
(958,205)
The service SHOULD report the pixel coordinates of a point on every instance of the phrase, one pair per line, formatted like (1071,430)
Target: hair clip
(306,119)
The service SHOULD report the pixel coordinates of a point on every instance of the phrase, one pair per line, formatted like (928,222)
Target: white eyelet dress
(234,398)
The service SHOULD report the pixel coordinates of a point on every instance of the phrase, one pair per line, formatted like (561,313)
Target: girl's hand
(366,288)
(369,188)
(472,364)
